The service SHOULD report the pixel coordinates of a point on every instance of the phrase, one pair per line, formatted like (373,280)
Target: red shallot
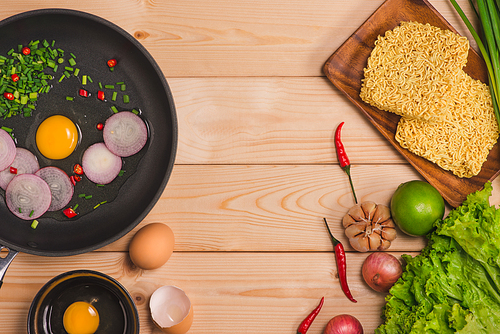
(28,196)
(381,270)
(125,133)
(100,165)
(7,149)
(60,185)
(344,324)
(25,162)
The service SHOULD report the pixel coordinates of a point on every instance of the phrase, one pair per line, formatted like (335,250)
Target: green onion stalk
(489,17)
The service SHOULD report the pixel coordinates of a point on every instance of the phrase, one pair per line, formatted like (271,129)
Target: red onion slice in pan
(7,149)
(60,185)
(100,165)
(28,196)
(125,133)
(25,162)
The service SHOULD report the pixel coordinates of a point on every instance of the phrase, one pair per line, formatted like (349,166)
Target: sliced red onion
(28,196)
(125,133)
(25,162)
(7,149)
(60,186)
(100,165)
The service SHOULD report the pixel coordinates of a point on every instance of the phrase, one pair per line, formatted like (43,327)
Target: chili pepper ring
(341,264)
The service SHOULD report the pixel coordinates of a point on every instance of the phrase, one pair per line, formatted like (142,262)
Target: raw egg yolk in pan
(56,137)
(81,318)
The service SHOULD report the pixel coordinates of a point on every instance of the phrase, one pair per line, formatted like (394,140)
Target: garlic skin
(369,227)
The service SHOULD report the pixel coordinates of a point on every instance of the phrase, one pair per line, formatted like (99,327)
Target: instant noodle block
(416,71)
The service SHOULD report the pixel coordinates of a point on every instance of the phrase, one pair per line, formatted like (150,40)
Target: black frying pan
(93,41)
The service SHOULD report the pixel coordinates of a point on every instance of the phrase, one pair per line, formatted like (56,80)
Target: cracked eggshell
(152,246)
(171,310)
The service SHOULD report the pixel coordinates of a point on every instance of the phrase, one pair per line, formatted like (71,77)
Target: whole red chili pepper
(306,323)
(345,164)
(341,264)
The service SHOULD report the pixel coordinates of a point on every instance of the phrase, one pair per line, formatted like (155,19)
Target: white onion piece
(125,133)
(28,196)
(25,162)
(100,165)
(7,149)
(60,186)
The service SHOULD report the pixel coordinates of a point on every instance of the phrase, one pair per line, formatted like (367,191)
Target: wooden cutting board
(345,67)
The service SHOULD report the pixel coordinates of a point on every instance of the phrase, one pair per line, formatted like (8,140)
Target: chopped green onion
(75,207)
(77,70)
(84,79)
(113,98)
(34,224)
(72,61)
(6,129)
(70,98)
(88,197)
(109,86)
(126,99)
(114,109)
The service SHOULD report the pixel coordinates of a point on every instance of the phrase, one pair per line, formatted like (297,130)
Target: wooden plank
(257,292)
(269,207)
(247,120)
(235,38)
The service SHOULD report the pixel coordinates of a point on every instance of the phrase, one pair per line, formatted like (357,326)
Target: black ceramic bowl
(117,311)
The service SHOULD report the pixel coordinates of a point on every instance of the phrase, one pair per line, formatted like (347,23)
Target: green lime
(415,206)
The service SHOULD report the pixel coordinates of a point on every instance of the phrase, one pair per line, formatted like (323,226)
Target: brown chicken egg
(152,246)
(171,310)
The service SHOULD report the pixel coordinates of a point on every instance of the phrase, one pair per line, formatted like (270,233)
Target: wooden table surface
(256,169)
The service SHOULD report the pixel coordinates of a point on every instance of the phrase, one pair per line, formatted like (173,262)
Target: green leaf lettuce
(453,285)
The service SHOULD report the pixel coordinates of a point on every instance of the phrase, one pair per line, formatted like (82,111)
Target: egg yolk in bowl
(56,137)
(81,318)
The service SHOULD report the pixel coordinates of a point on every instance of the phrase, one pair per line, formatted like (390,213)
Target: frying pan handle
(5,261)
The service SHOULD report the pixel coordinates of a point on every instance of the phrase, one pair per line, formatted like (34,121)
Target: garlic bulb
(369,227)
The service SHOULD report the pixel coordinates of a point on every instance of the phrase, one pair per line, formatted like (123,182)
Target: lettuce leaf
(453,285)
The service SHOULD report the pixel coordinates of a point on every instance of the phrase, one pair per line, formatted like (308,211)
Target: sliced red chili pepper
(306,323)
(78,178)
(69,212)
(83,92)
(100,126)
(341,264)
(112,62)
(13,170)
(15,77)
(8,96)
(345,164)
(72,179)
(77,169)
(26,51)
(100,95)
